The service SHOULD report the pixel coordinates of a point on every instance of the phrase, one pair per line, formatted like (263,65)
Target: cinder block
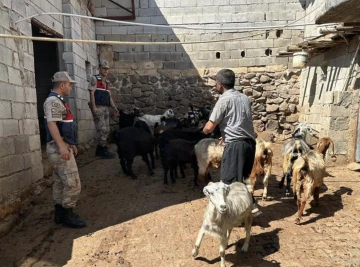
(221,2)
(204,2)
(127,56)
(230,63)
(6,56)
(7,146)
(9,127)
(217,46)
(5,110)
(151,48)
(255,16)
(157,56)
(182,65)
(16,163)
(28,127)
(22,144)
(190,19)
(173,56)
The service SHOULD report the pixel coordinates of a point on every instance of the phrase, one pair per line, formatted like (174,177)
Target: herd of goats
(181,141)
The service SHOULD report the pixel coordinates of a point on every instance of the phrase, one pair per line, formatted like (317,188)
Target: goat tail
(333,146)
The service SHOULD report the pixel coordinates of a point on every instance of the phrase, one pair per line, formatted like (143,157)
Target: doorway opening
(46,59)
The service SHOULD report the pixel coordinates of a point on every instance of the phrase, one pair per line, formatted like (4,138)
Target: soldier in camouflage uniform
(61,149)
(100,101)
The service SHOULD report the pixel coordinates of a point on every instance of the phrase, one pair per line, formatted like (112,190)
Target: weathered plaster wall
(327,103)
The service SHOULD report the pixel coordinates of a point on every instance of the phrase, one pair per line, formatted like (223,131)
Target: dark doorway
(46,64)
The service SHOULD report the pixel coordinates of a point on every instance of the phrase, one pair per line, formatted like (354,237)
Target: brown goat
(323,145)
(263,156)
(308,176)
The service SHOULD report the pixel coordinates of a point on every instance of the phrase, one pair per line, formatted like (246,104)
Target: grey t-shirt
(233,114)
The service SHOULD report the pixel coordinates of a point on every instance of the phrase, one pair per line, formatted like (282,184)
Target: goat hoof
(173,181)
(195,252)
(287,194)
(297,221)
(134,177)
(165,182)
(151,173)
(244,248)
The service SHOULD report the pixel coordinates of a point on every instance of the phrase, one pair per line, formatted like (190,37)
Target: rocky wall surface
(274,94)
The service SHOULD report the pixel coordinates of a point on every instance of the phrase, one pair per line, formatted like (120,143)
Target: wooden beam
(294,48)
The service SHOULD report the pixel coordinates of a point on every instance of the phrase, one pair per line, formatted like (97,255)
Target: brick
(9,128)
(173,56)
(151,48)
(141,56)
(18,110)
(169,65)
(182,65)
(21,144)
(255,16)
(6,56)
(5,110)
(217,46)
(190,19)
(230,63)
(7,146)
(157,56)
(29,126)
(37,173)
(4,166)
(15,182)
(167,48)
(127,56)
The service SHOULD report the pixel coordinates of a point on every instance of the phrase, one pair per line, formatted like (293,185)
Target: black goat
(132,142)
(179,152)
(127,120)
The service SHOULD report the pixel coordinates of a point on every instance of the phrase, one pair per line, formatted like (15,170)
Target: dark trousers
(237,161)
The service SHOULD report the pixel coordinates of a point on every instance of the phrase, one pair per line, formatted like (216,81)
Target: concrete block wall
(21,166)
(329,106)
(80,60)
(20,155)
(251,49)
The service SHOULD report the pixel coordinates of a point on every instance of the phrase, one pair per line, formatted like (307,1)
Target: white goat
(152,119)
(208,153)
(229,206)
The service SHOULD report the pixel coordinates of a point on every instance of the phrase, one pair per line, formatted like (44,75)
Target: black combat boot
(59,213)
(72,221)
(106,154)
(98,152)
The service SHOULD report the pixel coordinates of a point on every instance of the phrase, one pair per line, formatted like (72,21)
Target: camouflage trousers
(67,186)
(102,124)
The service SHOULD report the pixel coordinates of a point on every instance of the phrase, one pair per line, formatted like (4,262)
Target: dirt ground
(145,223)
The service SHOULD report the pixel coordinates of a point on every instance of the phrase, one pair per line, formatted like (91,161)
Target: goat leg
(288,182)
(173,172)
(146,160)
(196,172)
(123,166)
(166,169)
(199,238)
(281,184)
(248,223)
(223,245)
(129,163)
(301,206)
(182,167)
(316,195)
(152,159)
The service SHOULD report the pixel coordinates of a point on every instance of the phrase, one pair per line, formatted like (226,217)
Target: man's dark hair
(226,77)
(56,84)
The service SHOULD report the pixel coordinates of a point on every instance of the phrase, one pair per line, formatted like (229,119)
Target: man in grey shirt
(232,113)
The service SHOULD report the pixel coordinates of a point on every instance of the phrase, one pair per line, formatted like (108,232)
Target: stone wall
(273,90)
(328,103)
